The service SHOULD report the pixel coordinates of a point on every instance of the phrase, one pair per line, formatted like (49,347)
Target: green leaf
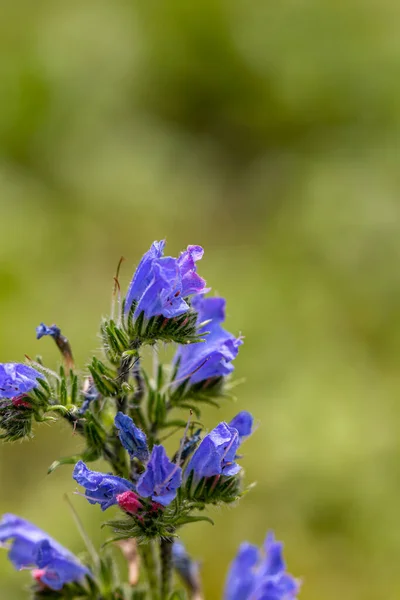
(188,519)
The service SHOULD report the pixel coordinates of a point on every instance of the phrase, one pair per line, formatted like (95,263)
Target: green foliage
(15,422)
(155,523)
(213,490)
(142,331)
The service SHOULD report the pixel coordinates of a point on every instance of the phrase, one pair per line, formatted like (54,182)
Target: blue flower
(212,358)
(31,547)
(260,577)
(42,330)
(216,454)
(90,394)
(243,422)
(241,576)
(161,478)
(16,379)
(161,284)
(144,274)
(132,438)
(101,488)
(187,568)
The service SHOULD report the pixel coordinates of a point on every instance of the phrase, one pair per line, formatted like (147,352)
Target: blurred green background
(269,133)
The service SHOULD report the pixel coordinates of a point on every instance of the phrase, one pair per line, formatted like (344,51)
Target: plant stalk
(149,561)
(166,567)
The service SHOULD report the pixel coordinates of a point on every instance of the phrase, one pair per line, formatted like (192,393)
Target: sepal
(213,490)
(18,414)
(181,329)
(71,591)
(208,392)
(15,422)
(155,521)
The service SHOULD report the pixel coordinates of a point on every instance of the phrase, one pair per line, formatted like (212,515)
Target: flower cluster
(123,415)
(254,576)
(161,478)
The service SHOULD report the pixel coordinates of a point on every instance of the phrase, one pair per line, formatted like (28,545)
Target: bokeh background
(269,133)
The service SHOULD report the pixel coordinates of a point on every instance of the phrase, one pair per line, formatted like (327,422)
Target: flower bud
(129,502)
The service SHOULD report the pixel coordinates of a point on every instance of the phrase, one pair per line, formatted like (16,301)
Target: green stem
(123,376)
(166,567)
(116,459)
(140,383)
(149,561)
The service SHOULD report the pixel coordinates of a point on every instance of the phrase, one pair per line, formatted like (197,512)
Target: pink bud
(37,575)
(129,501)
(19,401)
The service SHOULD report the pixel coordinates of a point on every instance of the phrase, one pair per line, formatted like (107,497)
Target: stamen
(183,440)
(88,497)
(167,385)
(235,435)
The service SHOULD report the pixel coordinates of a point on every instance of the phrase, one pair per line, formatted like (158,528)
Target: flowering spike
(165,302)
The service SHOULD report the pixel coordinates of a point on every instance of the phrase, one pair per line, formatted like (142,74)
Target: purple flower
(17,379)
(212,358)
(216,454)
(243,422)
(31,547)
(101,488)
(42,330)
(260,577)
(161,284)
(132,438)
(161,478)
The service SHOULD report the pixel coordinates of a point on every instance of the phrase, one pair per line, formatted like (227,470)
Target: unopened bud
(129,501)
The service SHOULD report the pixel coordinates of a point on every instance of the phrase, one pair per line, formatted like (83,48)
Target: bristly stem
(140,391)
(149,561)
(166,567)
(140,384)
(123,376)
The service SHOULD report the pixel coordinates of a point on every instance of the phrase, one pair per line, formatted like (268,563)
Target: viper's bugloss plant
(123,414)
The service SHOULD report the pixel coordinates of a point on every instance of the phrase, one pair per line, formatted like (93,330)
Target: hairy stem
(123,376)
(166,567)
(149,561)
(140,384)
